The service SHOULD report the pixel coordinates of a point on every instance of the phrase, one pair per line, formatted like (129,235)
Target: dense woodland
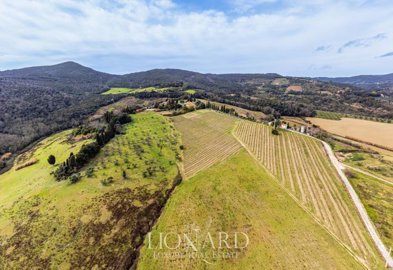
(35,102)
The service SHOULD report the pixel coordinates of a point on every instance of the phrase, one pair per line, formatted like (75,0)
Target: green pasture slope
(45,224)
(120,90)
(238,195)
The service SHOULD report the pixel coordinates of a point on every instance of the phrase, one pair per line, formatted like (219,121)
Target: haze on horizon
(289,37)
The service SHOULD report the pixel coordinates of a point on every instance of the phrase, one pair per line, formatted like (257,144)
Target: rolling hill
(38,101)
(99,222)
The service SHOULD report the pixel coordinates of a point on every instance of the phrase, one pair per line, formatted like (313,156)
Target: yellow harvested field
(207,139)
(302,167)
(368,131)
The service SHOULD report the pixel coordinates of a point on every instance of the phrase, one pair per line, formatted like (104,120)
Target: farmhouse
(284,126)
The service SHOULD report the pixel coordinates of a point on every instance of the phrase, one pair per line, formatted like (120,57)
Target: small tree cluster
(75,162)
(221,108)
(88,151)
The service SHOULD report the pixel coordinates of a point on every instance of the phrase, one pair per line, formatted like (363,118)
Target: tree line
(76,161)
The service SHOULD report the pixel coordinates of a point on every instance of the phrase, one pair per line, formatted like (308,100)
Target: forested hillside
(38,101)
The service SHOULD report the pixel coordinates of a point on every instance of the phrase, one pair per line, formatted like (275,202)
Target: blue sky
(290,37)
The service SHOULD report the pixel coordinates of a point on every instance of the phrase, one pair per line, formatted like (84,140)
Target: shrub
(2,164)
(51,159)
(357,157)
(74,178)
(275,132)
(349,174)
(90,172)
(107,181)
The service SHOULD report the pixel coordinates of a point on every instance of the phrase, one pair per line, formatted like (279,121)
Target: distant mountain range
(380,82)
(74,71)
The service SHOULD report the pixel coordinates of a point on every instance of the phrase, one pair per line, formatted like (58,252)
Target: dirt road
(362,211)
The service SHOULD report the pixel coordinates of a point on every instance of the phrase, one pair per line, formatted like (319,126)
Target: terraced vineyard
(207,137)
(302,167)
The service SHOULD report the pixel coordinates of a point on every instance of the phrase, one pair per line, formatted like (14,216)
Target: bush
(357,157)
(349,174)
(74,178)
(275,132)
(51,159)
(107,181)
(2,164)
(90,172)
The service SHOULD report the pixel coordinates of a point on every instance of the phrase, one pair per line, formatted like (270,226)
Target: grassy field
(377,197)
(46,224)
(207,139)
(191,91)
(120,90)
(258,116)
(302,167)
(384,153)
(329,115)
(372,163)
(368,131)
(238,195)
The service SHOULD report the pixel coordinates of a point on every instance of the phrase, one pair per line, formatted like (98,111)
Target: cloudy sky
(290,37)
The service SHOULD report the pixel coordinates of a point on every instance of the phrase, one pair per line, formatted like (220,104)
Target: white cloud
(246,5)
(133,35)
